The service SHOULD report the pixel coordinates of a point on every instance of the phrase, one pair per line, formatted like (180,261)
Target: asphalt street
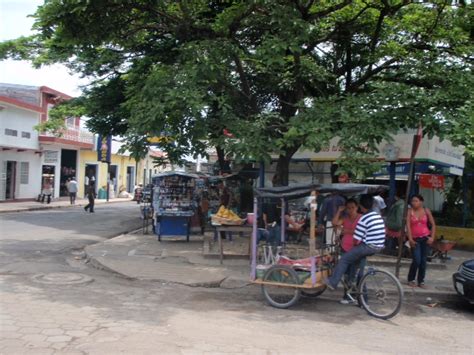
(52,301)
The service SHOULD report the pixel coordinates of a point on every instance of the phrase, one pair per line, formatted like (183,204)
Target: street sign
(104,147)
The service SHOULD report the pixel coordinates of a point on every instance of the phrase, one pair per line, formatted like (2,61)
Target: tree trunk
(281,177)
(220,158)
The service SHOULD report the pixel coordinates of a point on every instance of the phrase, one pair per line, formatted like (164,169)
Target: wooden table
(226,228)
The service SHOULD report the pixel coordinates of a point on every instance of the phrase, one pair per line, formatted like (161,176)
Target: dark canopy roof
(177,173)
(297,191)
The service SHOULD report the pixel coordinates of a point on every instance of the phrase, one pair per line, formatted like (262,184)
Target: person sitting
(294,228)
(346,220)
(370,231)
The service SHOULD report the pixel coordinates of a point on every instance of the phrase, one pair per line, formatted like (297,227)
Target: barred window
(24,172)
(25,135)
(11,132)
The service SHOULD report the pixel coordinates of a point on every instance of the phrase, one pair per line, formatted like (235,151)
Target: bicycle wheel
(381,294)
(281,296)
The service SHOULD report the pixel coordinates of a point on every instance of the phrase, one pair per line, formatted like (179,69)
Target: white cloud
(14,22)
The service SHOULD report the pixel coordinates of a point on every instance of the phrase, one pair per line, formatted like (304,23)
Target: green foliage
(279,75)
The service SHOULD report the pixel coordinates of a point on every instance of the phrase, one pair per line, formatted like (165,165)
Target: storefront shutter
(3,179)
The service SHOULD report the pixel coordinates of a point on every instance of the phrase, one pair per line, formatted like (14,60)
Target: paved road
(51,301)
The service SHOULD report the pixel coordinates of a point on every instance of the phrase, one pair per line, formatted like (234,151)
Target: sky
(14,22)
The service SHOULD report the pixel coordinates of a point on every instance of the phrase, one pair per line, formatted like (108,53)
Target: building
(30,159)
(124,172)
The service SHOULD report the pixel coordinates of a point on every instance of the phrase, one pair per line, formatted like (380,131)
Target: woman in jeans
(421,231)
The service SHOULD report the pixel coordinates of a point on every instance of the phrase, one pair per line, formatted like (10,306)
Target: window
(24,172)
(11,132)
(26,135)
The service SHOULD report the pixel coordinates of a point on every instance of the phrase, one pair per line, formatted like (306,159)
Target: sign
(104,147)
(50,156)
(430,181)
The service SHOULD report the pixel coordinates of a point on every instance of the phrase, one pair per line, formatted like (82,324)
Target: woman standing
(421,230)
(346,218)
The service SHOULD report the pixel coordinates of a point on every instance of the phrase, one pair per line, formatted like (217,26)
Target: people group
(364,232)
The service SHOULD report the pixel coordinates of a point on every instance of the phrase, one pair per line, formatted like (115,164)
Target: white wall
(22,121)
(33,188)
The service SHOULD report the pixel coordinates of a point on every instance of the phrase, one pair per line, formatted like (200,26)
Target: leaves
(279,75)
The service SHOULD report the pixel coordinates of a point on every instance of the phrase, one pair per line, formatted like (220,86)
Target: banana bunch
(226,213)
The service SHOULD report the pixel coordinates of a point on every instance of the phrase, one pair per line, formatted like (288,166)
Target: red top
(419,226)
(349,226)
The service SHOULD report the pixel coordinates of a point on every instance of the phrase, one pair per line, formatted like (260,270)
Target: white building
(28,158)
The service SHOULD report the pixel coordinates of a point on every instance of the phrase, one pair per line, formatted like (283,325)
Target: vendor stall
(175,202)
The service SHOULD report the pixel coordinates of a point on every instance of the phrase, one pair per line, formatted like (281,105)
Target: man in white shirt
(72,189)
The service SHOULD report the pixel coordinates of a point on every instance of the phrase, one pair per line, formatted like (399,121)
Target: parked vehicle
(463,280)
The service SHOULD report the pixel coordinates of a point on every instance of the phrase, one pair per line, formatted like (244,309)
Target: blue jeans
(419,260)
(353,256)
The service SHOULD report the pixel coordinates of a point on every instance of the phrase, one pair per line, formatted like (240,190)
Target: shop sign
(430,181)
(104,147)
(50,157)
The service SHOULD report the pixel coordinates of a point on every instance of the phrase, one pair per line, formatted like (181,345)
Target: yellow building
(125,173)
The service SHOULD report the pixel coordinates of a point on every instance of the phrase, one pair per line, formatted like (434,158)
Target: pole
(253,269)
(108,180)
(312,237)
(283,224)
(405,208)
(393,185)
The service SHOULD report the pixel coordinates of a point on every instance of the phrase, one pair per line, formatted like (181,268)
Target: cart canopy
(177,173)
(298,191)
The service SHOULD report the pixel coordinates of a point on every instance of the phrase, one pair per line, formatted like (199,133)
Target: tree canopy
(278,75)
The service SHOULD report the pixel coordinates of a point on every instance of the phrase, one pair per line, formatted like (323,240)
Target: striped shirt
(371,230)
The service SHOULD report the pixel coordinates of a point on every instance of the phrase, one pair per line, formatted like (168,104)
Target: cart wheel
(281,296)
(313,293)
(381,294)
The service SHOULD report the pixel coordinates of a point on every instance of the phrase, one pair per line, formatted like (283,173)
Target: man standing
(370,231)
(91,196)
(72,189)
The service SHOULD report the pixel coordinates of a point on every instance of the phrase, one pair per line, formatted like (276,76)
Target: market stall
(175,199)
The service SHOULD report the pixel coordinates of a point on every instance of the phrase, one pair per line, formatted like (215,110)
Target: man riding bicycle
(370,231)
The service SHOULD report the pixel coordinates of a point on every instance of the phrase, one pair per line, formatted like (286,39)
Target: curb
(41,208)
(100,266)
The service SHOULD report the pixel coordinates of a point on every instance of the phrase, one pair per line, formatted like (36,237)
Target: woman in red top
(346,219)
(420,236)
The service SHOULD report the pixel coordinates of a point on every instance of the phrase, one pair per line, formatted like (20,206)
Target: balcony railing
(72,134)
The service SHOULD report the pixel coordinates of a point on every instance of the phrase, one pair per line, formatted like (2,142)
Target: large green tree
(279,75)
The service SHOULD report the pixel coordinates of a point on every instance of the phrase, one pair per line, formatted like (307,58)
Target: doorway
(113,178)
(130,179)
(10,180)
(68,169)
(90,173)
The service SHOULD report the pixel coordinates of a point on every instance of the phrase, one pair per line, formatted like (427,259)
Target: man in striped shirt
(370,232)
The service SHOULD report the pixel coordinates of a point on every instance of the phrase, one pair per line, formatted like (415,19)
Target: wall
(22,121)
(90,157)
(33,188)
(463,236)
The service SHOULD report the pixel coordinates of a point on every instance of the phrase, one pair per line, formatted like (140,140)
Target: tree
(278,75)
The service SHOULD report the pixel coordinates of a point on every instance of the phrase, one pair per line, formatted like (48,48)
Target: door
(130,179)
(3,180)
(90,173)
(113,178)
(10,180)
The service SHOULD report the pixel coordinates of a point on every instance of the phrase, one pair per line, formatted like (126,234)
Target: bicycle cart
(284,280)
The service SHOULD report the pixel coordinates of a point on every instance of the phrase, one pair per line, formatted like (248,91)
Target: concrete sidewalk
(140,256)
(6,207)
